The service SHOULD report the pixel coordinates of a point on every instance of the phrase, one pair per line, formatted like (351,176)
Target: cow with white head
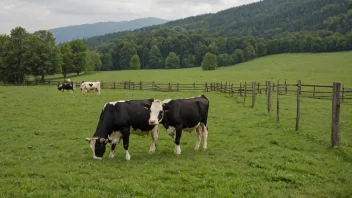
(177,115)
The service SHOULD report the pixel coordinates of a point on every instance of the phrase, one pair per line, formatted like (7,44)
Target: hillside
(267,19)
(68,33)
(326,67)
(234,35)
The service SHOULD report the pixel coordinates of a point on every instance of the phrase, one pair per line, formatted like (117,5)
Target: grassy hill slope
(321,68)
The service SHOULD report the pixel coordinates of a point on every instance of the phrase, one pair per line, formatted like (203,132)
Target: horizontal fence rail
(315,91)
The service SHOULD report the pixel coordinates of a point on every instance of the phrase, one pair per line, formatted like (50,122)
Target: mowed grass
(43,152)
(319,68)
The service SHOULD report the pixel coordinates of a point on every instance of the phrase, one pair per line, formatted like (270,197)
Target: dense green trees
(229,37)
(23,54)
(237,34)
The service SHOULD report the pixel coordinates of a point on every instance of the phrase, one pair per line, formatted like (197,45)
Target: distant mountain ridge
(64,34)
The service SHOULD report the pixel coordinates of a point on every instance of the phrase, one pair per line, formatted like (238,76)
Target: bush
(209,62)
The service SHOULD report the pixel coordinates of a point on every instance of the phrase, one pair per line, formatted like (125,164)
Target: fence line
(315,91)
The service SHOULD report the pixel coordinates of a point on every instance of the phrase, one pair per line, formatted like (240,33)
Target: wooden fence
(243,89)
(330,92)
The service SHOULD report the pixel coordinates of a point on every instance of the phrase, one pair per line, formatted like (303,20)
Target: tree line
(208,41)
(234,35)
(23,54)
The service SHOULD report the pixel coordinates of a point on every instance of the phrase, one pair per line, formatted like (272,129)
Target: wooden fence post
(335,124)
(258,89)
(240,89)
(274,86)
(285,88)
(114,85)
(269,95)
(206,87)
(343,93)
(221,87)
(298,104)
(277,102)
(266,87)
(245,92)
(153,85)
(129,84)
(231,93)
(253,93)
(169,87)
(140,85)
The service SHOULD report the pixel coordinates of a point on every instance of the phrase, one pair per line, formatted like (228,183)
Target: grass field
(321,68)
(44,154)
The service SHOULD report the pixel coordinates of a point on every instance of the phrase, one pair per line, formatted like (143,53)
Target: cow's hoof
(204,149)
(98,158)
(178,155)
(151,153)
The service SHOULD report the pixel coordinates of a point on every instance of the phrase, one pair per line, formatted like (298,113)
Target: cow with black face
(117,121)
(177,115)
(65,85)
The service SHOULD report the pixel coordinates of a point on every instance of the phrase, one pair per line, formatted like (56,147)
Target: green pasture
(44,153)
(319,68)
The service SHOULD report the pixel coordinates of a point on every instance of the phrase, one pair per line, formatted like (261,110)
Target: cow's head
(59,86)
(98,146)
(157,109)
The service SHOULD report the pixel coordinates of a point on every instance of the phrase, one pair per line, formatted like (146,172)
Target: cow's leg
(116,137)
(199,133)
(177,140)
(126,140)
(205,136)
(155,135)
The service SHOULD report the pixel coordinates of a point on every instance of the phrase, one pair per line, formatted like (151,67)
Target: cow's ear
(90,139)
(166,106)
(146,105)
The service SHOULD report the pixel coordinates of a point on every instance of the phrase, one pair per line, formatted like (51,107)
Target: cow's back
(132,113)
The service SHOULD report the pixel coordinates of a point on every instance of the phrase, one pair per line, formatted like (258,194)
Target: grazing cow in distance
(88,86)
(118,120)
(65,85)
(178,115)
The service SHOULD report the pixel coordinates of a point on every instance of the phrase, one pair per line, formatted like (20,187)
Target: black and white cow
(89,86)
(178,115)
(65,85)
(117,121)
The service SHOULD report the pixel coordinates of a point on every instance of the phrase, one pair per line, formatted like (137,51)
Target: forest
(23,54)
(234,35)
(225,38)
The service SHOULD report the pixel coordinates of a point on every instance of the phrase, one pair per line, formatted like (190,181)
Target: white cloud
(47,14)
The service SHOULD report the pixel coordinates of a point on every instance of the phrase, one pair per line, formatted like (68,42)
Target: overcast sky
(47,14)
